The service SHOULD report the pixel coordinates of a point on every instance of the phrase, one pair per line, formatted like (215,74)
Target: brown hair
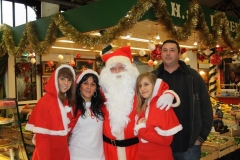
(70,94)
(141,105)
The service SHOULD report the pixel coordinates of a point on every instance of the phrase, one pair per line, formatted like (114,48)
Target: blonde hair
(141,104)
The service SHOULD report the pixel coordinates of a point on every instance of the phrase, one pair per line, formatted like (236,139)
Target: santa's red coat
(111,152)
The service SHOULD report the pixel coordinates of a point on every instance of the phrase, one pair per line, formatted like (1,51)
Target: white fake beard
(119,90)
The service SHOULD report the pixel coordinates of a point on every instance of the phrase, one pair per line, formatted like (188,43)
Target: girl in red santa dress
(155,127)
(51,116)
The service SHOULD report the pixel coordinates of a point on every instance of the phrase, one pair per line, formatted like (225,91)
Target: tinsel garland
(195,20)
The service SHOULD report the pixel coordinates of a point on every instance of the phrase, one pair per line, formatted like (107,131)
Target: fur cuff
(139,126)
(175,96)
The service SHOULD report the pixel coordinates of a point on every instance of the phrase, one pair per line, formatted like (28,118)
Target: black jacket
(201,108)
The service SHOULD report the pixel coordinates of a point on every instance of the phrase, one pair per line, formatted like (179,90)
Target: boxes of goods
(237,142)
(209,155)
(217,143)
(226,151)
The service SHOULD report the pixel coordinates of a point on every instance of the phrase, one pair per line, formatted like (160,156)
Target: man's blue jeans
(193,154)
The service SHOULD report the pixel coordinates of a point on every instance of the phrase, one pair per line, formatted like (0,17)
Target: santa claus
(118,80)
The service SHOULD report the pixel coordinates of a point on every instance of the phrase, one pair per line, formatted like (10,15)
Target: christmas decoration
(142,52)
(89,62)
(215,59)
(208,51)
(33,60)
(155,63)
(72,63)
(50,64)
(196,19)
(150,62)
(151,46)
(156,53)
(183,50)
(60,58)
(78,55)
(186,60)
(219,49)
(201,57)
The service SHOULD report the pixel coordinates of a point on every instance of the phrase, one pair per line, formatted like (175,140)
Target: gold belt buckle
(113,142)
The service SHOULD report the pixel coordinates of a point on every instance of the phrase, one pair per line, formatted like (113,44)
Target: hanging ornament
(33,60)
(50,64)
(219,49)
(201,57)
(72,63)
(186,60)
(208,52)
(60,57)
(183,50)
(142,52)
(215,59)
(156,53)
(155,63)
(150,62)
(89,61)
(151,46)
(78,55)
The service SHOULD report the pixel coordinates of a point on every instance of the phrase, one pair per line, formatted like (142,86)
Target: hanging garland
(195,20)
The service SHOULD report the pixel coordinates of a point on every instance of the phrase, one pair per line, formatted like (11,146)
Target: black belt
(121,143)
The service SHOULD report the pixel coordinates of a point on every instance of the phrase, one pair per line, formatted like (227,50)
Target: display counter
(229,99)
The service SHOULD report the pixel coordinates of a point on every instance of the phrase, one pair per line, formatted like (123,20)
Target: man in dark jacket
(195,111)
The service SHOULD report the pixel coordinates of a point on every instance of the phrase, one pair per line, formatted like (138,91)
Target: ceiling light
(76,49)
(157,37)
(217,45)
(195,43)
(65,41)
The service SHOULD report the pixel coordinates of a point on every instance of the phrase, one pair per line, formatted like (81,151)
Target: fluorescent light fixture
(135,39)
(139,48)
(75,49)
(65,41)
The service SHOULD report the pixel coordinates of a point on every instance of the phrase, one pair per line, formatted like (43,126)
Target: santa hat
(83,73)
(122,55)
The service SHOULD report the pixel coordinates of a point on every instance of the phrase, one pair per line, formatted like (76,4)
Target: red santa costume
(49,121)
(155,136)
(120,143)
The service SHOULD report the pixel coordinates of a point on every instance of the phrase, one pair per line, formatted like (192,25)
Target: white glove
(165,101)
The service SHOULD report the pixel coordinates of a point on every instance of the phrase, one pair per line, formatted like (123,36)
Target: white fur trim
(143,140)
(68,109)
(139,126)
(121,151)
(117,59)
(84,73)
(34,129)
(178,101)
(56,74)
(169,132)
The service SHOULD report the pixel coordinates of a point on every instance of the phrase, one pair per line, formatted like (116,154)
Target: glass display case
(12,144)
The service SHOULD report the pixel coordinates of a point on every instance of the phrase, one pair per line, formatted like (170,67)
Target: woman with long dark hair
(86,142)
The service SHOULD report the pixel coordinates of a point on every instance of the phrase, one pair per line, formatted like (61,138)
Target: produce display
(216,139)
(204,153)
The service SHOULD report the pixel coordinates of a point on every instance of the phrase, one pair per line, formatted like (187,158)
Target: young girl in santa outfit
(155,127)
(86,141)
(51,116)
